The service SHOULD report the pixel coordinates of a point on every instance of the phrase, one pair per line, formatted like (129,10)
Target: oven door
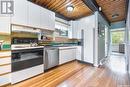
(22,59)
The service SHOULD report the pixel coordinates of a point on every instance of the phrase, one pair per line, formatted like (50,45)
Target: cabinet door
(34,15)
(67,55)
(78,53)
(76,30)
(88,45)
(47,19)
(5,25)
(72,54)
(20,12)
(51,20)
(44,18)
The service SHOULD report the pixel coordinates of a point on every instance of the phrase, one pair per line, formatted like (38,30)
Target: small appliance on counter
(1,42)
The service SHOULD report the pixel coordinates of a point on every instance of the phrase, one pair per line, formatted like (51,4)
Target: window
(117,37)
(61,32)
(62,29)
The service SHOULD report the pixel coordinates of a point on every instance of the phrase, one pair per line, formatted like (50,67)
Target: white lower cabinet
(4,79)
(5,60)
(79,52)
(5,68)
(67,55)
(26,73)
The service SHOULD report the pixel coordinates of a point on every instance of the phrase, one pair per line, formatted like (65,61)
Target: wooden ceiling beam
(92,4)
(62,17)
(127,6)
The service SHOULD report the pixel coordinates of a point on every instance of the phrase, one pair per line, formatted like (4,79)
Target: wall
(117,25)
(127,39)
(102,26)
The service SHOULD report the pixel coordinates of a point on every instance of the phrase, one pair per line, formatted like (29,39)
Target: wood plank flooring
(75,74)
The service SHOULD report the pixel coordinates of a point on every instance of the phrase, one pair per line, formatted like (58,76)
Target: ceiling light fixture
(70,8)
(100,9)
(115,15)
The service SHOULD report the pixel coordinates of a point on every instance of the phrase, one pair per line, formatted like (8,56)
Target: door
(106,41)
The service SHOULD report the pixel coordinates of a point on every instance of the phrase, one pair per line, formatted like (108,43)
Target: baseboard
(85,62)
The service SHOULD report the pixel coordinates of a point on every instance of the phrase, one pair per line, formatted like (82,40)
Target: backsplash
(45,37)
(24,35)
(60,40)
(5,42)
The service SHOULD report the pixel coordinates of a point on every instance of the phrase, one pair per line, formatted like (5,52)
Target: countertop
(67,47)
(56,46)
(23,48)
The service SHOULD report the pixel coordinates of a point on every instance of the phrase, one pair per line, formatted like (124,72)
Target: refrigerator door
(82,44)
(87,45)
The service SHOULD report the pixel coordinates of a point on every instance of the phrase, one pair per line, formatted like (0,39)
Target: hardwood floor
(75,74)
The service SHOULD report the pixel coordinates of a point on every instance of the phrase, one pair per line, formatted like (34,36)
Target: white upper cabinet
(76,29)
(29,14)
(34,16)
(5,25)
(20,12)
(47,19)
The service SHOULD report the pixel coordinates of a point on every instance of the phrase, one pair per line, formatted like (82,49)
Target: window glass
(117,37)
(61,30)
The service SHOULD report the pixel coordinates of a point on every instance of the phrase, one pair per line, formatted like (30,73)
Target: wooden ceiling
(113,7)
(59,6)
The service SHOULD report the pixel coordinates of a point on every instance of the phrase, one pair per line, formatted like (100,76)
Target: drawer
(5,69)
(5,53)
(5,79)
(6,60)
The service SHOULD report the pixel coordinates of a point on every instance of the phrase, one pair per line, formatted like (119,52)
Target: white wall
(127,38)
(100,48)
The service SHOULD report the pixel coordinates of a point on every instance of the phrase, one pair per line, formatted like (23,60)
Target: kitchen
(43,38)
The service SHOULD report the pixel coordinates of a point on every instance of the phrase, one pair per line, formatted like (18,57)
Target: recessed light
(70,8)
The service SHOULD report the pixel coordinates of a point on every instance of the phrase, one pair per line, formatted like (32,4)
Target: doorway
(118,40)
